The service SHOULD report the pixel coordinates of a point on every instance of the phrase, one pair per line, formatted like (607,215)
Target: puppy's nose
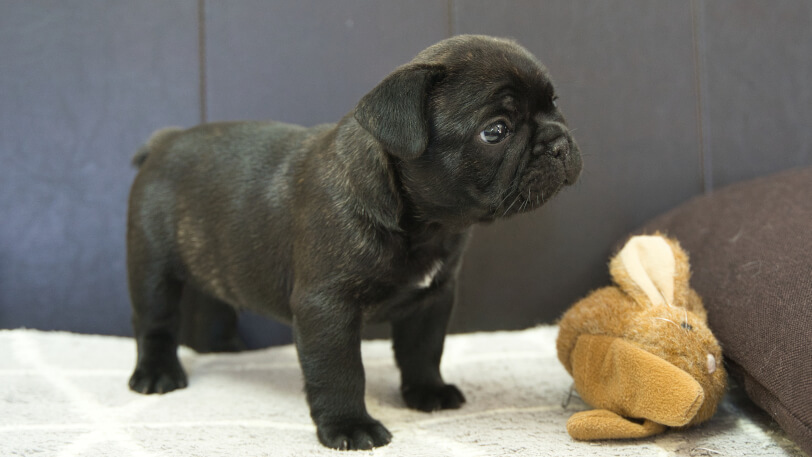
(558,147)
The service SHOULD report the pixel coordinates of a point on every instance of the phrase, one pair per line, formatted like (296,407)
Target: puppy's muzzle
(554,141)
(559,147)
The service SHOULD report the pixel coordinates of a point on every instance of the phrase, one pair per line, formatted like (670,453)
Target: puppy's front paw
(158,378)
(354,435)
(432,398)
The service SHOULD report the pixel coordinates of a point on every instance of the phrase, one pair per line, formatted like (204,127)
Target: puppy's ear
(394,112)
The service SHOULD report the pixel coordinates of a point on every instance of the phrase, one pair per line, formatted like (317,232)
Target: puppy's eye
(494,133)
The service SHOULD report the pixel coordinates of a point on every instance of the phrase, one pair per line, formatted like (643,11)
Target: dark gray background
(669,99)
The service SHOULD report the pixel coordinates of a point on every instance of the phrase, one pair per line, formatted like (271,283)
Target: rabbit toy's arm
(602,424)
(626,381)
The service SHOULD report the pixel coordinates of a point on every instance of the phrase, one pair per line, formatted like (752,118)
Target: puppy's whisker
(512,190)
(511,205)
(501,201)
(507,194)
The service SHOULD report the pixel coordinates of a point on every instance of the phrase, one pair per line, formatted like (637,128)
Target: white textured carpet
(63,394)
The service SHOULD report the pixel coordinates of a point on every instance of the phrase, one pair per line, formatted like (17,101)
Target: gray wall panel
(757,65)
(625,76)
(83,84)
(310,61)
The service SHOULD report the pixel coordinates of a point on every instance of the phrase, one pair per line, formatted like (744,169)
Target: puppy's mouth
(522,201)
(532,195)
(539,181)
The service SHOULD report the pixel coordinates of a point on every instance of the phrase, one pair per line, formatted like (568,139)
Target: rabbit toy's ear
(646,269)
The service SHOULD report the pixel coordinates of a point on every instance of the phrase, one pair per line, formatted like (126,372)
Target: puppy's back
(215,193)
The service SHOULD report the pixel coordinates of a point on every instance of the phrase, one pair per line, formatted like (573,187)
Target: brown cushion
(751,253)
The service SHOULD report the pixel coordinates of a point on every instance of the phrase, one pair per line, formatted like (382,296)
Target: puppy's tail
(154,141)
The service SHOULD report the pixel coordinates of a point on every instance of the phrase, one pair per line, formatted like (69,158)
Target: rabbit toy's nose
(711,363)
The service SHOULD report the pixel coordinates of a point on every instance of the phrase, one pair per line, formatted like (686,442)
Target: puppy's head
(474,129)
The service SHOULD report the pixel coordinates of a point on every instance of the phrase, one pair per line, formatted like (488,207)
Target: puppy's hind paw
(158,378)
(351,435)
(432,398)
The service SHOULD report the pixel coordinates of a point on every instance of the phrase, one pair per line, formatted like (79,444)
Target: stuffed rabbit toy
(641,350)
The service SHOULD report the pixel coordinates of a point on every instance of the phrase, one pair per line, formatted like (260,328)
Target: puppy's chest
(426,261)
(418,272)
(429,274)
(404,289)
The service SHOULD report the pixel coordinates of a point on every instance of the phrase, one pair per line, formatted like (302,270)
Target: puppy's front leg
(328,340)
(418,342)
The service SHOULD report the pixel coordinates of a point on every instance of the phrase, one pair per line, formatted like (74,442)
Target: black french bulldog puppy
(331,226)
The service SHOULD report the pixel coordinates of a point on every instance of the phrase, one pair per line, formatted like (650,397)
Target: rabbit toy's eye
(711,363)
(686,326)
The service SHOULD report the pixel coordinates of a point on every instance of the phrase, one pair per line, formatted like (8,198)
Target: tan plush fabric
(639,358)
(616,375)
(601,424)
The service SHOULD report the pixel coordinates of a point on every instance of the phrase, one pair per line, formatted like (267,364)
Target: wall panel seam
(451,18)
(700,83)
(201,47)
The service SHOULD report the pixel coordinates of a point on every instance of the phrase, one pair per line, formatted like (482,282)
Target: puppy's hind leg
(155,296)
(208,324)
